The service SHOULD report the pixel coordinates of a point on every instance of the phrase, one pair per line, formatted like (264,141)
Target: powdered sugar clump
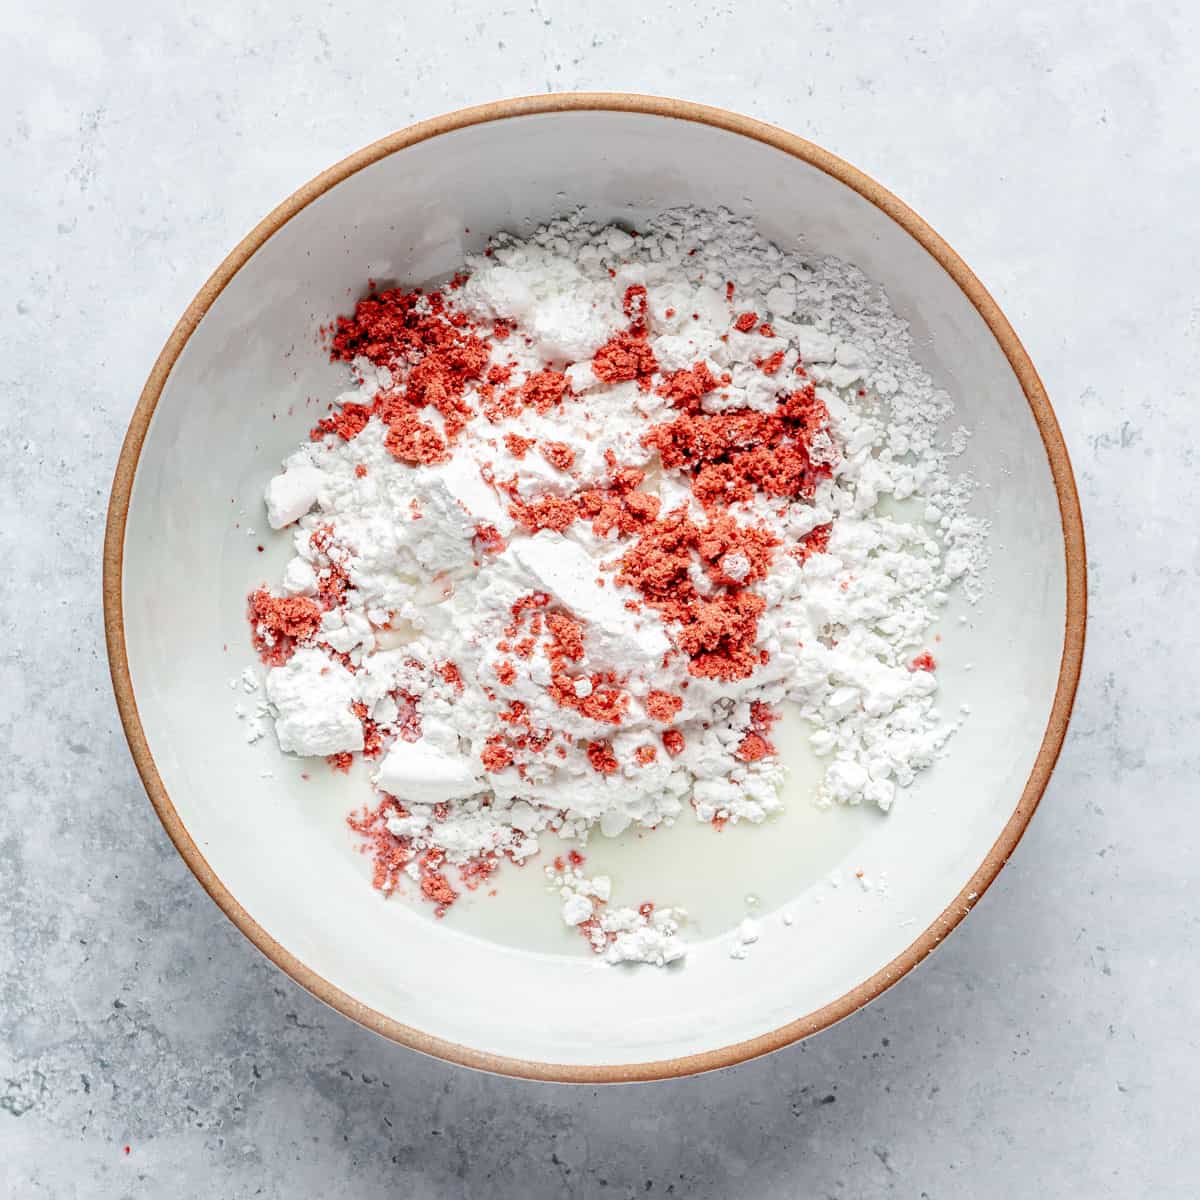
(625,934)
(588,520)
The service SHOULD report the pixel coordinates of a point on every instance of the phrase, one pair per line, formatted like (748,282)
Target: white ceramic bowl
(227,400)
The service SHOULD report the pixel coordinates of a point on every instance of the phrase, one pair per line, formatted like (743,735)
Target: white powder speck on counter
(590,517)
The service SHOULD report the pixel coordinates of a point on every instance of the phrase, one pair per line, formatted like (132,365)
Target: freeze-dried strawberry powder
(279,623)
(434,349)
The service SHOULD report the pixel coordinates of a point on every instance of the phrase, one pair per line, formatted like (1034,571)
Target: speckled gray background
(1048,1050)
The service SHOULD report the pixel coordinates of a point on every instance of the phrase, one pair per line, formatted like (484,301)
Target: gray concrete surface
(1048,1050)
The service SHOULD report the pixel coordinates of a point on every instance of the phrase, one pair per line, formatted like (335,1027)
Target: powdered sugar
(256,717)
(623,934)
(637,501)
(311,698)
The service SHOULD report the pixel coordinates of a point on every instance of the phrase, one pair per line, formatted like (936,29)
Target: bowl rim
(1073,548)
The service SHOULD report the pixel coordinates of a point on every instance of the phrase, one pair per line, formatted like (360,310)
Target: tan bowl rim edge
(1073,545)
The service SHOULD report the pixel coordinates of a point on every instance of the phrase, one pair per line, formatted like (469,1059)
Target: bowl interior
(243,393)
